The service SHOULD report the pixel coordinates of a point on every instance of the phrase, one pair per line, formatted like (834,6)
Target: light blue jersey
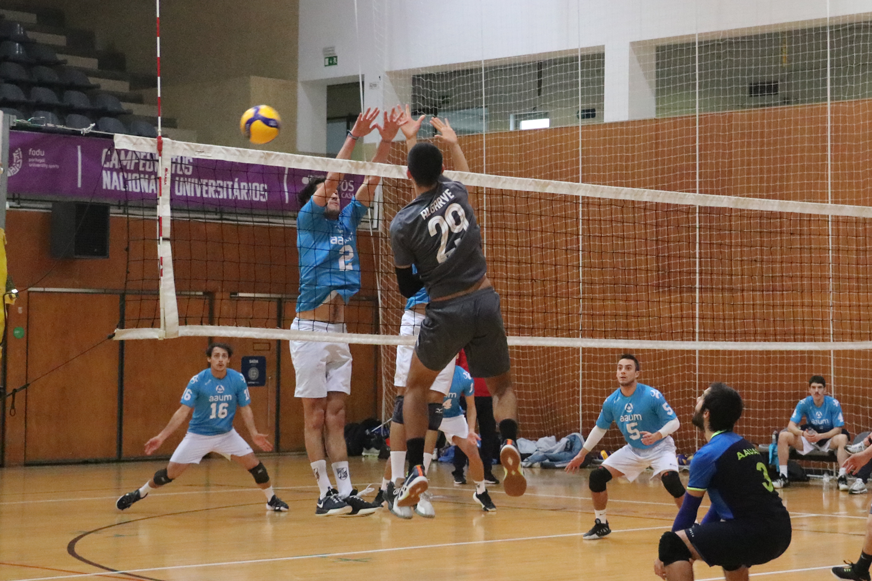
(822,419)
(644,411)
(328,253)
(461,384)
(214,401)
(419,298)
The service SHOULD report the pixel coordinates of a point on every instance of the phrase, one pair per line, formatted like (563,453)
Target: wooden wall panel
(71,413)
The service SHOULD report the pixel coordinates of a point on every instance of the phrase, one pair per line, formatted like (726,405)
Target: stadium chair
(109,104)
(76,121)
(43,117)
(111,125)
(13,52)
(44,55)
(75,79)
(44,98)
(10,111)
(142,128)
(11,30)
(44,76)
(15,73)
(12,94)
(78,102)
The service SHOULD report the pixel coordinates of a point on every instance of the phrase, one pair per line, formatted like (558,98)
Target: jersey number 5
(454,221)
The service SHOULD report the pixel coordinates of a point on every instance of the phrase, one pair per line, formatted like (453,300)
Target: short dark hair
(724,405)
(224,346)
(818,379)
(425,164)
(304,195)
(632,358)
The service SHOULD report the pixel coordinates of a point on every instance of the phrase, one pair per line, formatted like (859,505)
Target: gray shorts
(472,322)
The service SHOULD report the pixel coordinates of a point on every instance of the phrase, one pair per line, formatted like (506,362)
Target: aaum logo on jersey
(818,414)
(219,389)
(628,408)
(340,240)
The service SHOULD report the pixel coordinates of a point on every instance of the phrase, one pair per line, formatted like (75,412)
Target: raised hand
(409,126)
(365,123)
(446,133)
(391,124)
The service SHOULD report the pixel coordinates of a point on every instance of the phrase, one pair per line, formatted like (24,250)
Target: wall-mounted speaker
(79,230)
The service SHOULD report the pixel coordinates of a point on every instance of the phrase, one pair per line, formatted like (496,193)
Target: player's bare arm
(410,127)
(449,136)
(179,418)
(256,437)
(362,127)
(388,130)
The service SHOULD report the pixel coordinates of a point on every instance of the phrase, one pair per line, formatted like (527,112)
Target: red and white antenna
(159,134)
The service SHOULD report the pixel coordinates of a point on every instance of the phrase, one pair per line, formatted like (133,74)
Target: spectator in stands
(822,431)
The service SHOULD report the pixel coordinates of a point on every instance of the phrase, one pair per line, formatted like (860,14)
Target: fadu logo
(17,162)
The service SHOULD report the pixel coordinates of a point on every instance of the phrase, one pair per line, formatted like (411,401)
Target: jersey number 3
(454,221)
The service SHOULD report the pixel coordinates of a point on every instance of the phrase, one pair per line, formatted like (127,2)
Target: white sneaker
(425,507)
(856,448)
(857,487)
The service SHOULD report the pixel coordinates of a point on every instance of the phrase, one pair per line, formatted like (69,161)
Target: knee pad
(397,418)
(672,483)
(260,474)
(598,479)
(161,478)
(673,549)
(434,416)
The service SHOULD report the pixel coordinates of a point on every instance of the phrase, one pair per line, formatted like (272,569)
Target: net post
(169,311)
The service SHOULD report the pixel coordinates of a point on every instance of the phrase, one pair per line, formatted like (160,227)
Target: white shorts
(631,461)
(320,367)
(809,447)
(456,426)
(410,325)
(193,447)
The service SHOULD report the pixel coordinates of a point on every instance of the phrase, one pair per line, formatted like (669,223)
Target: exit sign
(331,61)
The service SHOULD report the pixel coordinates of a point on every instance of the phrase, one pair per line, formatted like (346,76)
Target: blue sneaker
(416,484)
(331,505)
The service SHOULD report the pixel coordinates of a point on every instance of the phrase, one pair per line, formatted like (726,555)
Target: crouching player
(747,524)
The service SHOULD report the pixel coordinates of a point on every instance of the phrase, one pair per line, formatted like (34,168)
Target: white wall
(410,35)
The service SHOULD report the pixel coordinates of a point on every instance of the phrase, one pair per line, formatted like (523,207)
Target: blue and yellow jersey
(736,478)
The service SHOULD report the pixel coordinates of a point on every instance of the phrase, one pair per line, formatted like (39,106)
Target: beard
(698,420)
(331,214)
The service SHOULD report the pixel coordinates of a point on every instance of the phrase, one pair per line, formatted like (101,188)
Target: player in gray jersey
(438,234)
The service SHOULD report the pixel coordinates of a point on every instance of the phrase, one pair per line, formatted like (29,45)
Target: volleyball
(260,124)
(604,454)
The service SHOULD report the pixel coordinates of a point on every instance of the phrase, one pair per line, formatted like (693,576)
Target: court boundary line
(328,555)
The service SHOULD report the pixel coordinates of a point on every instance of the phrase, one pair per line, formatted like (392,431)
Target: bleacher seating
(38,83)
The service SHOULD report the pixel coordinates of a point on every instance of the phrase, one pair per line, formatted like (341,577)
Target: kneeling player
(214,394)
(747,524)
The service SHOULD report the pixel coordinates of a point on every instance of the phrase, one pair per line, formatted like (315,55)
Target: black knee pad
(434,416)
(672,549)
(598,479)
(260,474)
(672,483)
(161,478)
(397,418)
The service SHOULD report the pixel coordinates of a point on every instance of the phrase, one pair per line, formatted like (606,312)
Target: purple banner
(44,165)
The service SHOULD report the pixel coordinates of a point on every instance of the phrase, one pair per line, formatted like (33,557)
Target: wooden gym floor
(60,522)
